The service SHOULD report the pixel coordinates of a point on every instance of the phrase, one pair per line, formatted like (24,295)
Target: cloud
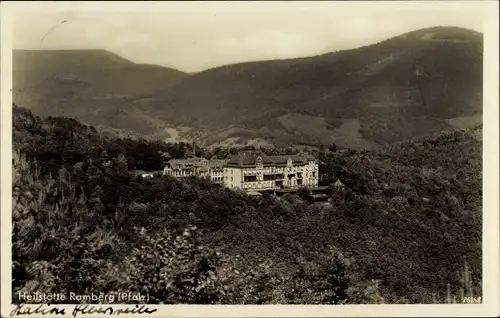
(193,37)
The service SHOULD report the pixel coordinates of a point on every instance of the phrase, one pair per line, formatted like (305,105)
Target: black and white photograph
(250,153)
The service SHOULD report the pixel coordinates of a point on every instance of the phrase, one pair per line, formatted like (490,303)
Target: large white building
(251,171)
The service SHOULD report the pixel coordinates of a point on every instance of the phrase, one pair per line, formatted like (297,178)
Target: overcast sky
(195,36)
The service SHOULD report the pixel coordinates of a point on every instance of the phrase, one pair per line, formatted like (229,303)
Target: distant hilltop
(95,86)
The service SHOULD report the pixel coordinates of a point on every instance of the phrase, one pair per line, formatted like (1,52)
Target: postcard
(250,159)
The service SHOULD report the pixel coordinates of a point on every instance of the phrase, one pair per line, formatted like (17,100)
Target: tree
(305,194)
(121,162)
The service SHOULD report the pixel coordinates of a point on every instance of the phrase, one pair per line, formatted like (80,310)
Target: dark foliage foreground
(408,221)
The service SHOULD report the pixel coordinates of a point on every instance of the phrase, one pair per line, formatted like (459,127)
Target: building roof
(200,163)
(249,158)
(142,172)
(241,159)
(338,183)
(186,163)
(300,158)
(216,163)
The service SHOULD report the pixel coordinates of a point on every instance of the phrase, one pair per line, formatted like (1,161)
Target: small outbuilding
(339,185)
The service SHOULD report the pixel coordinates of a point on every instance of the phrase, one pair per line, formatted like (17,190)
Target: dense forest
(407,228)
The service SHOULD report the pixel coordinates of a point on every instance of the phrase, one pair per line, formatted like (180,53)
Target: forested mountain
(411,85)
(409,219)
(407,86)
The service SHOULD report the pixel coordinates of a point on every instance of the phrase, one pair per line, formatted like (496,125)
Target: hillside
(356,98)
(409,219)
(95,86)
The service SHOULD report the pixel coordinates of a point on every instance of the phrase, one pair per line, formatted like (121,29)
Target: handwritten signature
(46,309)
(21,310)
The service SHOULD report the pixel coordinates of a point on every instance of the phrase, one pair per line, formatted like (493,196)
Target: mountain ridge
(417,83)
(368,84)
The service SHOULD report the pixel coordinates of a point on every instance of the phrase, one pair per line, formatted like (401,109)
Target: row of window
(259,185)
(278,183)
(251,178)
(180,173)
(280,168)
(270,177)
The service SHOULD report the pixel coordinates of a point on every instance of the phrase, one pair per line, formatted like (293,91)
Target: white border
(491,238)
(6,159)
